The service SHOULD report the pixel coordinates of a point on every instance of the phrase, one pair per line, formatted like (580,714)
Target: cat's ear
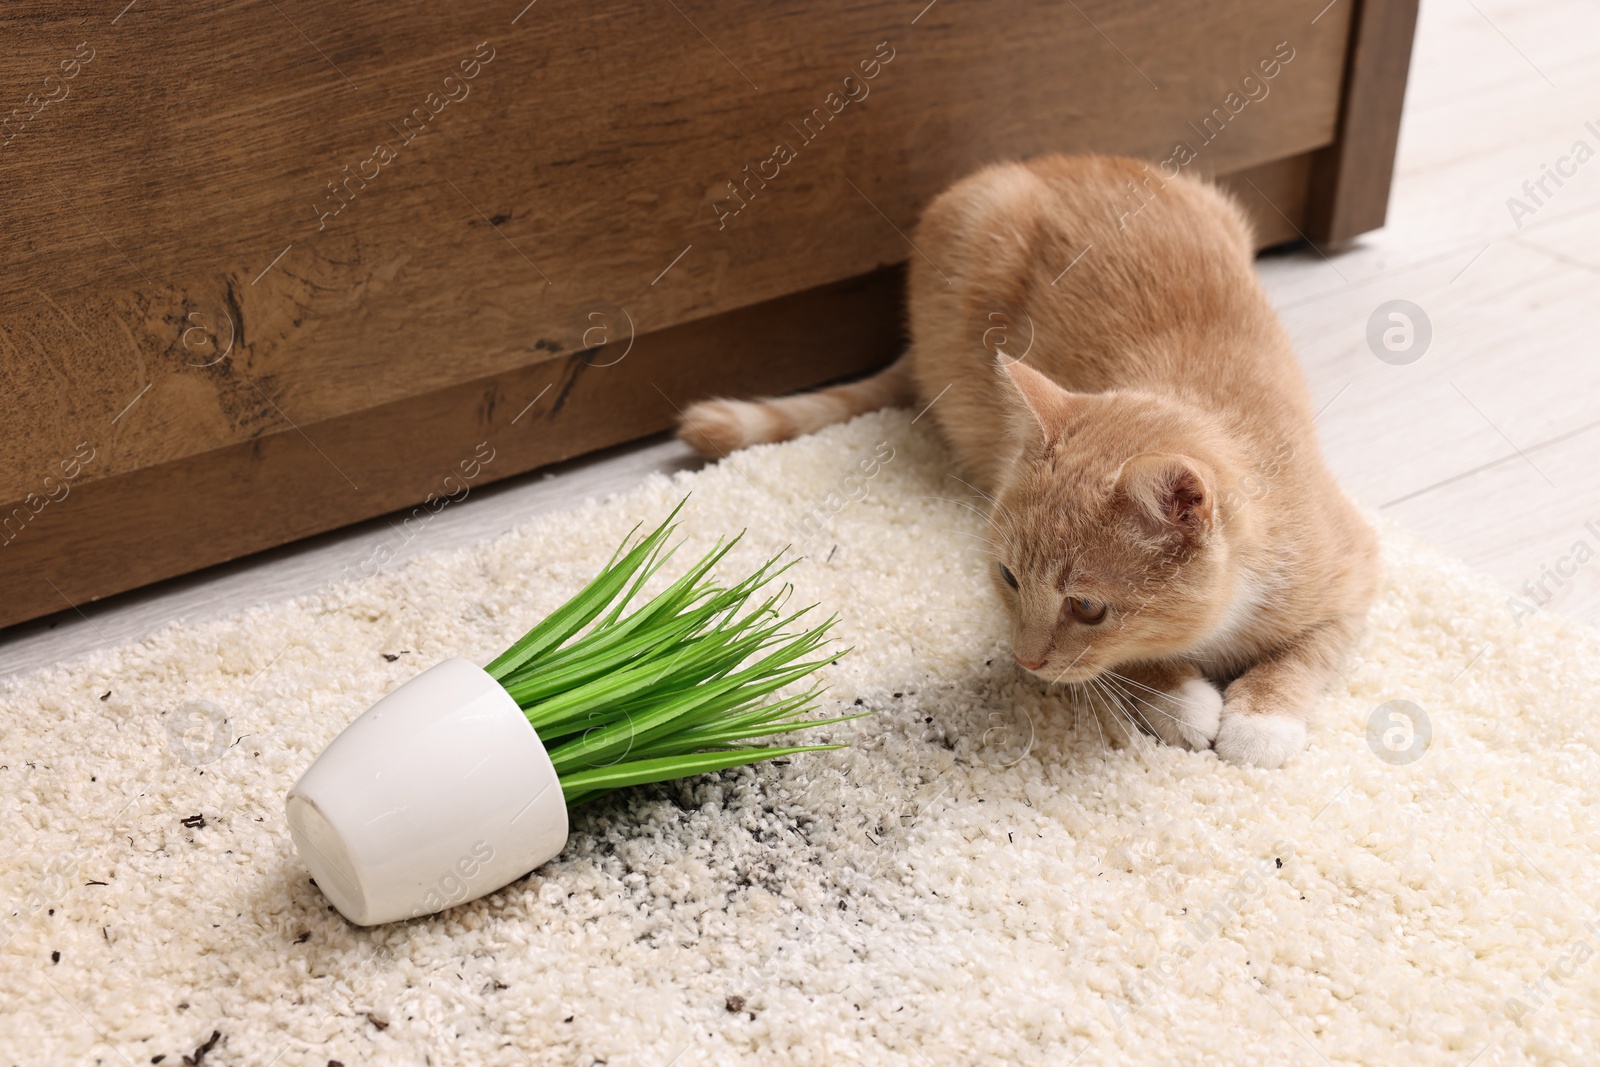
(1171,492)
(1036,403)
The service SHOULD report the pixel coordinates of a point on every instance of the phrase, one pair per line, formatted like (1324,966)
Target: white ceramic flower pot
(439,793)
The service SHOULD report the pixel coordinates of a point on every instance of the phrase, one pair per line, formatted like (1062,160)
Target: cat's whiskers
(988,519)
(969,505)
(1094,715)
(1150,708)
(1129,710)
(1174,697)
(999,507)
(1096,705)
(976,537)
(1110,705)
(1110,680)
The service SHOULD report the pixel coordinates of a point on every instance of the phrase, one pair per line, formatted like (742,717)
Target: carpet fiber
(977,879)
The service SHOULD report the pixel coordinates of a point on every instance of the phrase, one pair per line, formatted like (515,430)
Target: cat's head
(1107,540)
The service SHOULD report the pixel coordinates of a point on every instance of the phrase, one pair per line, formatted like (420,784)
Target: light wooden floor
(1483,445)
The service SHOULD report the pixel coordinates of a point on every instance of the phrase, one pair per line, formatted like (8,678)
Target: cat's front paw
(1257,739)
(1187,716)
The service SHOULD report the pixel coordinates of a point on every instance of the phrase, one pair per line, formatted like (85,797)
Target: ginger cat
(1164,530)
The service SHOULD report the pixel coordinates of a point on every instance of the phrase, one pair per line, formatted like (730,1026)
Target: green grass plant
(679,685)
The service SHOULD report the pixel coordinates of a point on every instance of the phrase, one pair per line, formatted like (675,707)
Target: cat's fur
(1151,452)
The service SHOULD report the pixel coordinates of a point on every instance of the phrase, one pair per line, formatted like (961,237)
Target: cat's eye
(1086,611)
(1011,579)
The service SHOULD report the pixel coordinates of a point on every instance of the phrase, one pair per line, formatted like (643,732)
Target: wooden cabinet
(273,268)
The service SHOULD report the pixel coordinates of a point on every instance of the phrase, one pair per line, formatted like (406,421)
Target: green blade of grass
(675,600)
(610,651)
(705,658)
(604,732)
(607,736)
(612,742)
(581,609)
(639,677)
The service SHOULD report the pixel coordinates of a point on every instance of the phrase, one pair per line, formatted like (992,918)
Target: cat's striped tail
(717,427)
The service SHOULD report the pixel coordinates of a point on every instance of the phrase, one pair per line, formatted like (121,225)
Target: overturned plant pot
(460,781)
(438,794)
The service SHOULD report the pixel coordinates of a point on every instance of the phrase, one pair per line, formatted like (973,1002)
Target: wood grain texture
(112,534)
(592,148)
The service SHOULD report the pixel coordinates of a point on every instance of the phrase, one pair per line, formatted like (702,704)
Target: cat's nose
(1027,664)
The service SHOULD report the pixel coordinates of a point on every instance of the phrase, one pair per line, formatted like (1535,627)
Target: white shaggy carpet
(974,881)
